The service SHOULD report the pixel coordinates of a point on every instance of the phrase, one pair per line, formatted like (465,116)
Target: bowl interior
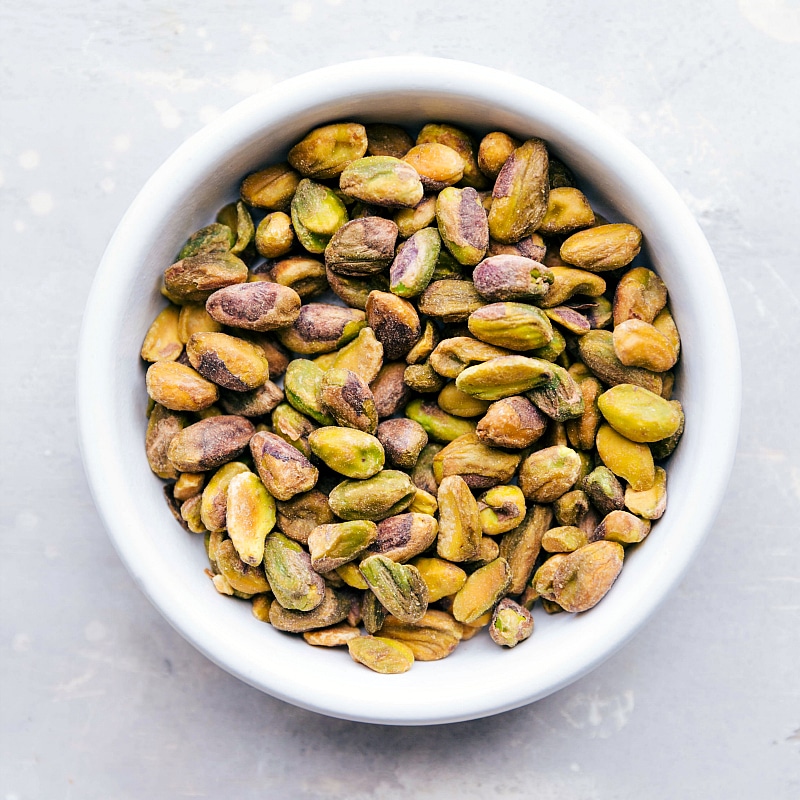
(186,192)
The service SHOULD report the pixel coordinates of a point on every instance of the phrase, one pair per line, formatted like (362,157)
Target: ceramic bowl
(184,194)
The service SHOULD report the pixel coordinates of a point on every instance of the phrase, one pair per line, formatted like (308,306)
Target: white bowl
(202,175)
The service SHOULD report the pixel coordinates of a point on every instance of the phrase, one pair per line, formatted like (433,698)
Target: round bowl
(200,177)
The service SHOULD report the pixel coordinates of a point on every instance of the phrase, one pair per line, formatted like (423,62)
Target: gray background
(101,699)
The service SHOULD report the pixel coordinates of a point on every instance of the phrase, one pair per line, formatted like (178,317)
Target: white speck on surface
(41,203)
(26,520)
(108,185)
(95,631)
(249,82)
(301,12)
(121,143)
(19,226)
(601,717)
(778,19)
(21,643)
(29,159)
(207,114)
(170,118)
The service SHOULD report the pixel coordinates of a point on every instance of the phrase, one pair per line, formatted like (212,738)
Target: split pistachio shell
(630,460)
(387,493)
(349,452)
(250,516)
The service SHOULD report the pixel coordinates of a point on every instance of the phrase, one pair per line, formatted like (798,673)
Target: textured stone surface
(100,698)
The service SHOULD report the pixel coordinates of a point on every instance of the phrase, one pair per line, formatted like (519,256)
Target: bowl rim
(380,76)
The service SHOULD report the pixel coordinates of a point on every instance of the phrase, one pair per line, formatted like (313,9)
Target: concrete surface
(99,698)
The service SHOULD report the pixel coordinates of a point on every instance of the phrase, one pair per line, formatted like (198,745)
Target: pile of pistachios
(470,428)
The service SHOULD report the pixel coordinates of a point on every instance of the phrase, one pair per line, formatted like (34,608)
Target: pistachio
(250,516)
(603,247)
(447,268)
(241,577)
(512,422)
(571,508)
(162,427)
(478,464)
(271,188)
(179,387)
(163,342)
(440,426)
(335,607)
(568,210)
(209,443)
(335,636)
(665,447)
(604,490)
(260,607)
(519,197)
(501,509)
(462,143)
(495,149)
(340,542)
(386,656)
(520,547)
(362,247)
(255,306)
(561,398)
(431,638)
(504,377)
(284,470)
(547,474)
(299,516)
(304,275)
(274,236)
(255,403)
(511,277)
(665,325)
(423,503)
(559,175)
(638,414)
(542,581)
(411,220)
(415,262)
(292,427)
(584,577)
(389,391)
(462,224)
(322,328)
(450,300)
(194,279)
(569,318)
(404,536)
(294,583)
(326,151)
(348,399)
(639,344)
(597,352)
(581,431)
(355,291)
(437,164)
(351,576)
(629,460)
(214,238)
(382,181)
(303,387)
(568,282)
(640,294)
(511,623)
(214,504)
(276,354)
(403,440)
(349,452)
(452,356)
(517,326)
(190,514)
(650,504)
(532,247)
(236,217)
(453,401)
(317,213)
(441,577)
(425,345)
(459,521)
(399,587)
(621,527)
(423,378)
(228,361)
(373,613)
(395,323)
(482,590)
(188,485)
(387,493)
(564,539)
(422,473)
(387,140)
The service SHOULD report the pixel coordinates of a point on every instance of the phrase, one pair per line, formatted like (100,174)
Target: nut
(326,151)
(284,470)
(294,583)
(504,377)
(582,430)
(162,427)
(511,623)
(335,636)
(403,440)
(214,238)
(511,277)
(195,319)
(349,452)
(561,399)
(256,403)
(382,181)
(317,213)
(388,140)
(399,587)
(520,547)
(195,278)
(236,217)
(482,590)
(304,275)
(640,294)
(517,326)
(621,527)
(209,443)
(163,342)
(629,460)
(439,425)
(453,401)
(639,344)
(639,415)
(494,151)
(335,607)
(355,291)
(422,472)
(459,521)
(362,247)
(387,493)
(271,188)
(214,504)
(188,485)
(274,235)
(437,164)
(303,387)
(304,512)
(584,577)
(501,509)
(228,361)
(452,356)
(564,539)
(478,464)
(415,262)
(255,306)
(431,638)
(512,422)
(450,300)
(411,220)
(348,399)
(382,655)
(425,345)
(404,536)
(462,224)
(322,328)
(389,391)
(462,143)
(338,543)
(603,247)
(250,516)
(650,504)
(423,378)
(441,577)
(597,352)
(568,282)
(547,474)
(241,577)
(604,490)
(567,210)
(395,323)
(179,388)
